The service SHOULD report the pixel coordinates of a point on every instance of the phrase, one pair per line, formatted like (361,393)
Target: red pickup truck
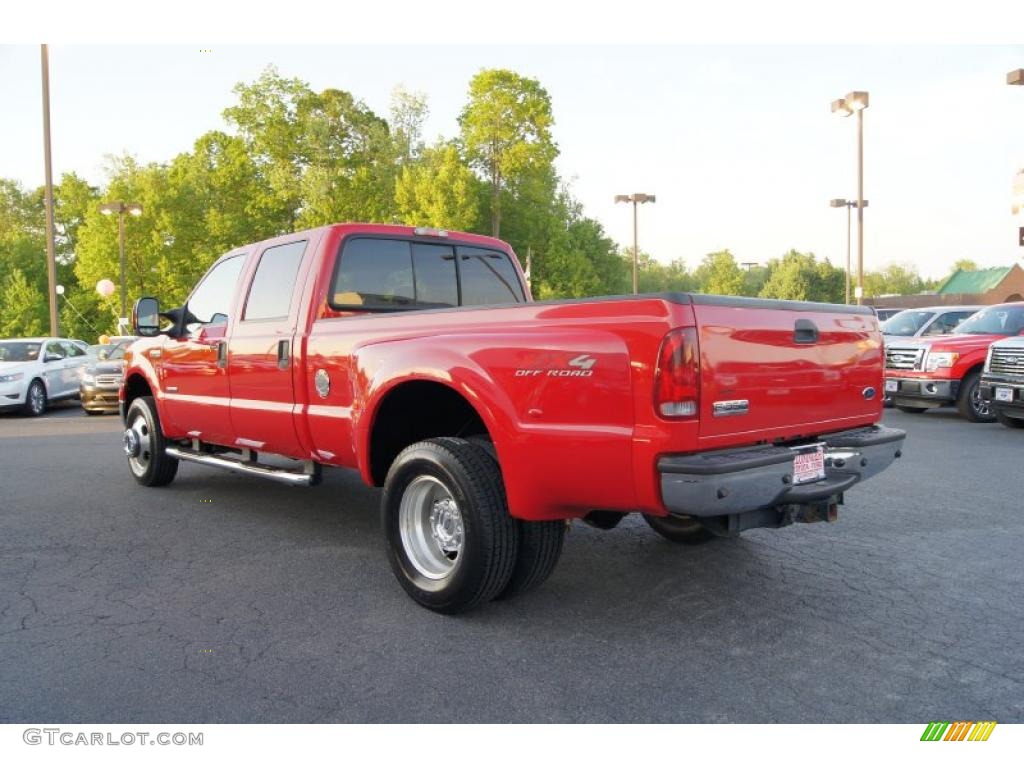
(946,370)
(418,357)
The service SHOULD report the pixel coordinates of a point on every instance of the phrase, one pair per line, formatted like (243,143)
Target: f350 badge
(579,366)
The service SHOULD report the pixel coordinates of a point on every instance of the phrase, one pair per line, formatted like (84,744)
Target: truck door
(192,369)
(262,355)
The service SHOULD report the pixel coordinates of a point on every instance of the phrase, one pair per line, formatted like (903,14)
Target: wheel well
(415,411)
(135,386)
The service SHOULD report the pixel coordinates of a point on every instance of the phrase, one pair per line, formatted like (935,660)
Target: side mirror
(52,357)
(146,316)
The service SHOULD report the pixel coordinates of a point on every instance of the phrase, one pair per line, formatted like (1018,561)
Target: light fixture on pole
(637,198)
(120,208)
(857,102)
(847,204)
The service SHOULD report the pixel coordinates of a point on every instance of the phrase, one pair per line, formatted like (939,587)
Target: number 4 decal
(586,362)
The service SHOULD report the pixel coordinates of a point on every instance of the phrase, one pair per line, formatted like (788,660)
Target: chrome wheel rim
(138,445)
(37,399)
(431,527)
(980,405)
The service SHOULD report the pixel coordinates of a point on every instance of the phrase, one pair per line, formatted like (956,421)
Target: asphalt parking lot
(227,599)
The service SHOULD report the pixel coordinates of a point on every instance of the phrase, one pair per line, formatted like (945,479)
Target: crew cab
(417,357)
(1002,382)
(946,370)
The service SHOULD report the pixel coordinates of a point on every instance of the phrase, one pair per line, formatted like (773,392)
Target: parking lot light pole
(847,204)
(636,198)
(857,102)
(51,257)
(120,208)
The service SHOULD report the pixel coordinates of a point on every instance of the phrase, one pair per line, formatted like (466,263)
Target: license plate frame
(1004,394)
(892,385)
(809,464)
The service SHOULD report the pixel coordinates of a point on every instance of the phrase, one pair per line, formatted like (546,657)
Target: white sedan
(35,372)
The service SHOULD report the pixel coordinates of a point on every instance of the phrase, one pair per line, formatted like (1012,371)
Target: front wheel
(680,530)
(35,399)
(145,444)
(1009,421)
(970,403)
(451,542)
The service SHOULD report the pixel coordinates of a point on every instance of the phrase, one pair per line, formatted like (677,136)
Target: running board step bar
(311,476)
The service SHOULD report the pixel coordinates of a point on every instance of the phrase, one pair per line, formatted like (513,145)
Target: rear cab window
(388,274)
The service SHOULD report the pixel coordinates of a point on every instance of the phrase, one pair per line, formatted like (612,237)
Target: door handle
(222,354)
(805,332)
(283,353)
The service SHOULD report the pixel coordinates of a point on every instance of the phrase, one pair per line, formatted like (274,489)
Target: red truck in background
(417,357)
(946,370)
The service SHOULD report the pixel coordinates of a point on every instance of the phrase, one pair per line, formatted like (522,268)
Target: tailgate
(778,369)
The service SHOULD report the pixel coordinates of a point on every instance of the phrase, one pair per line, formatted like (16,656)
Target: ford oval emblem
(869,393)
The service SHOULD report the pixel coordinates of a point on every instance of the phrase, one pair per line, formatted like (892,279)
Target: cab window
(270,295)
(382,274)
(487,277)
(210,303)
(374,274)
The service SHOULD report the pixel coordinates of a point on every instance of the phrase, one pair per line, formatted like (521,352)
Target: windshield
(19,351)
(1008,320)
(117,353)
(906,323)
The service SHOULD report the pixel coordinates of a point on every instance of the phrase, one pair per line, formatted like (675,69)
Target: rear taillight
(677,379)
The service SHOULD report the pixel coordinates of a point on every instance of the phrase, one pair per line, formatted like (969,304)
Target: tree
(408,113)
(967,265)
(902,279)
(801,277)
(25,309)
(720,274)
(506,133)
(325,157)
(439,190)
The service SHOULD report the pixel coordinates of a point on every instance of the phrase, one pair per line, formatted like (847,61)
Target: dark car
(101,380)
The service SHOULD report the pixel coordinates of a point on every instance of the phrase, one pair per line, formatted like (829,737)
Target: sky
(737,142)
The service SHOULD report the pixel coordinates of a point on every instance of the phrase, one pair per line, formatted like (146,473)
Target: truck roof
(399,230)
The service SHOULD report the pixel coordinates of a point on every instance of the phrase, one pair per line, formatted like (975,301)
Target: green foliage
(902,279)
(439,190)
(25,308)
(799,276)
(719,273)
(506,132)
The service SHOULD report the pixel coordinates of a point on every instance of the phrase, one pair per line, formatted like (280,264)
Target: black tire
(540,547)
(680,530)
(152,467)
(1009,421)
(970,403)
(909,409)
(540,544)
(484,539)
(36,401)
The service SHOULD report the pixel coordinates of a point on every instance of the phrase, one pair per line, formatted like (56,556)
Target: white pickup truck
(35,372)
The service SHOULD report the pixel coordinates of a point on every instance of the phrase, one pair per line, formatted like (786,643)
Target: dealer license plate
(891,385)
(809,465)
(1004,394)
